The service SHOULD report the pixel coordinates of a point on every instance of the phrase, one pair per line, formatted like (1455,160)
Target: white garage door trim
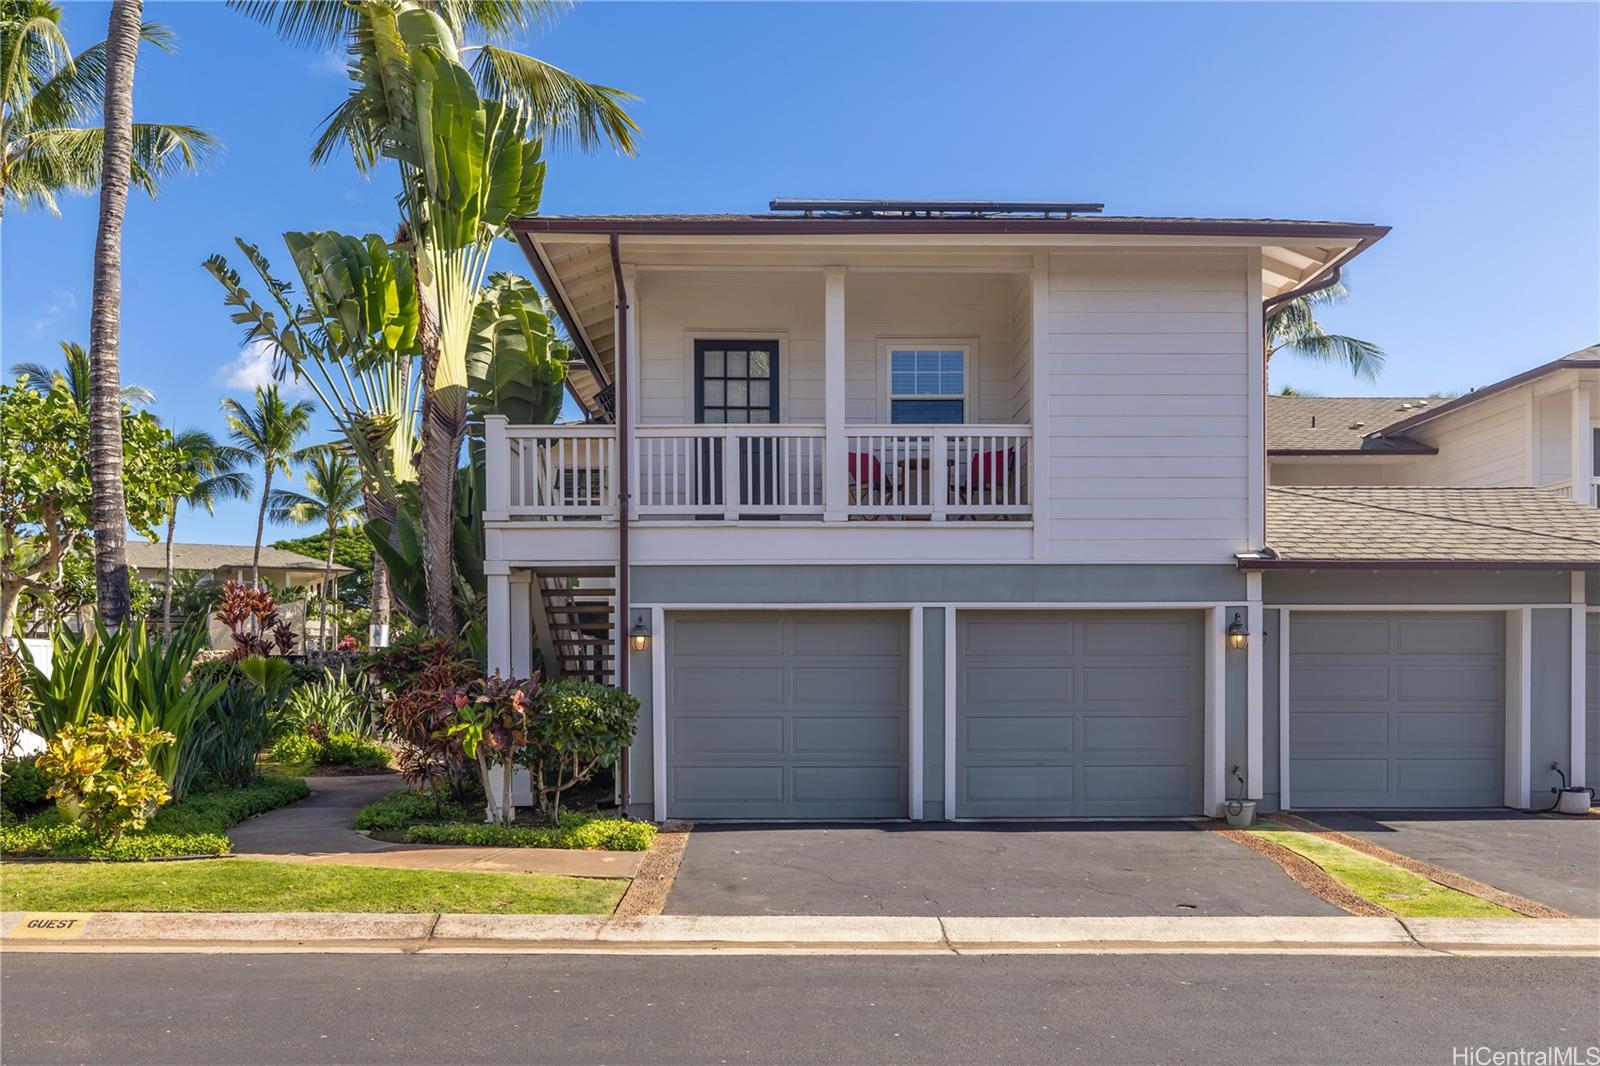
(1518,672)
(658,687)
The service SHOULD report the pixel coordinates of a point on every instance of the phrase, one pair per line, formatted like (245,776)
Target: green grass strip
(1395,889)
(241,885)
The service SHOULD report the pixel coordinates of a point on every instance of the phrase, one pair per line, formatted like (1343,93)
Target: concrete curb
(778,934)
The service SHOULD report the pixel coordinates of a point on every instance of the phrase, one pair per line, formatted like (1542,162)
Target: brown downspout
(624,446)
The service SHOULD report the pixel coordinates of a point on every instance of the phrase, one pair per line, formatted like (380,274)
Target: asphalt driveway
(988,870)
(1549,859)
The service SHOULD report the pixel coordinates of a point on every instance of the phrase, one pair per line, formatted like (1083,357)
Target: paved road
(616,1009)
(989,869)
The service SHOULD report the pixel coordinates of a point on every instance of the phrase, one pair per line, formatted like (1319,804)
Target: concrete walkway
(317,830)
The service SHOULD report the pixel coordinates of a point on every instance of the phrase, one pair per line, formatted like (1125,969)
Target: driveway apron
(993,869)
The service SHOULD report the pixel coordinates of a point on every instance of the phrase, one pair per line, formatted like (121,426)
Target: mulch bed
(651,886)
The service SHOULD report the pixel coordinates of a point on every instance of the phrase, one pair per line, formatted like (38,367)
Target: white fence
(729,472)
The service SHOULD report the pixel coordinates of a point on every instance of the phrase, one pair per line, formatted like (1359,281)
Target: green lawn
(1391,887)
(243,885)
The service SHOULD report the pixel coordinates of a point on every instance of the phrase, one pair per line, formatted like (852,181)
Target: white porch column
(1519,706)
(1582,447)
(835,476)
(1578,733)
(1255,651)
(499,620)
(521,608)
(1039,405)
(496,469)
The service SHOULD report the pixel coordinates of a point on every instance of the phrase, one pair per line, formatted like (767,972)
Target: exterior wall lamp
(639,635)
(1238,634)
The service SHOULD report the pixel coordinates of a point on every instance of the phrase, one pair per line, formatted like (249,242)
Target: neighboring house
(280,568)
(894,510)
(1540,427)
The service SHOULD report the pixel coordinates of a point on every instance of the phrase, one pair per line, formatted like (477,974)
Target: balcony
(761,473)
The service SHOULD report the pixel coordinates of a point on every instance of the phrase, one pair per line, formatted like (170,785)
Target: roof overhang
(571,256)
(1577,361)
(1351,453)
(1251,561)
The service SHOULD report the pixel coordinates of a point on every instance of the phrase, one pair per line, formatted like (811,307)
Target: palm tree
(267,434)
(1294,328)
(215,469)
(567,112)
(75,376)
(332,496)
(109,509)
(48,97)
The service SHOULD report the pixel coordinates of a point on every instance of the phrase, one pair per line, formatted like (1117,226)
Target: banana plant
(468,166)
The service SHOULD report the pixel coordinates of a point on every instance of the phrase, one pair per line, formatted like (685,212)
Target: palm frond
(568,112)
(324,24)
(70,158)
(1362,358)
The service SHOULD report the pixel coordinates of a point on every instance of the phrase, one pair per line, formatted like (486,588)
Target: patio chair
(868,474)
(990,475)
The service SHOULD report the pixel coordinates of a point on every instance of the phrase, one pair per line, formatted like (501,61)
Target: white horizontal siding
(1553,437)
(978,310)
(1146,457)
(1485,443)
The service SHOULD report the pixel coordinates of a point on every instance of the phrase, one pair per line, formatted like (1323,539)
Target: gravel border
(1305,873)
(647,894)
(1437,874)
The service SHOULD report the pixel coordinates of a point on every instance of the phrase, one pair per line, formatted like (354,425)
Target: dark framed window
(735,381)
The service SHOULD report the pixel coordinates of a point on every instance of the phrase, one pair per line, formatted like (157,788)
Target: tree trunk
(10,594)
(443,426)
(109,508)
(327,588)
(261,521)
(377,507)
(166,592)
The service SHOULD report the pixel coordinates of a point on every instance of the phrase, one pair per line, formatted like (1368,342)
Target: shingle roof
(1341,423)
(1495,528)
(146,556)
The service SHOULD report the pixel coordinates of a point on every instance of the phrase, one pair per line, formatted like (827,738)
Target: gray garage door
(1063,714)
(786,715)
(1397,710)
(1591,729)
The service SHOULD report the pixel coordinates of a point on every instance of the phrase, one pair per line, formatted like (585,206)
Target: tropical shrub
(340,703)
(100,674)
(228,738)
(22,787)
(295,749)
(101,775)
(16,701)
(251,615)
(582,727)
(348,749)
(196,826)
(492,716)
(571,831)
(395,811)
(414,679)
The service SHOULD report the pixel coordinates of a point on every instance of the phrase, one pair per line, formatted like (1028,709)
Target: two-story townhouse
(939,510)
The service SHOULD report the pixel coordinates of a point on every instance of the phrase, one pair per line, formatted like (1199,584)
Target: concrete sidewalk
(317,830)
(798,934)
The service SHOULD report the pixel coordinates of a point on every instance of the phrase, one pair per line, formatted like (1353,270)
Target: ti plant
(492,716)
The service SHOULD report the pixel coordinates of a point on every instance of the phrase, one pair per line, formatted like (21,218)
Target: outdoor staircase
(574,615)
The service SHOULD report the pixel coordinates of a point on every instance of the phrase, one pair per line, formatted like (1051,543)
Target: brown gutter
(574,327)
(782,225)
(1417,564)
(624,442)
(1419,449)
(1327,277)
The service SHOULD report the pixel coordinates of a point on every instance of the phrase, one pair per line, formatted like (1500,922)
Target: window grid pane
(927,372)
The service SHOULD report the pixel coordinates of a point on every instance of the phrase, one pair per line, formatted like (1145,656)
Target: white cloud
(251,368)
(52,311)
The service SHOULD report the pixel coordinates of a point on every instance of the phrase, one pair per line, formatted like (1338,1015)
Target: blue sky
(1471,129)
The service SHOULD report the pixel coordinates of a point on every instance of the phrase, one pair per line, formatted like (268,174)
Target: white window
(927,384)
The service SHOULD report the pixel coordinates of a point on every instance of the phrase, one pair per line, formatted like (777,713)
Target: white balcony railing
(731,472)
